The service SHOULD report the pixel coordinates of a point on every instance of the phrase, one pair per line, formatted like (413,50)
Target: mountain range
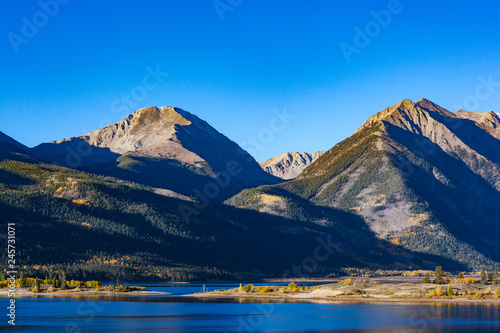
(162,194)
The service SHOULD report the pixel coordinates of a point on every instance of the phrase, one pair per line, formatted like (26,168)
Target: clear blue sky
(263,56)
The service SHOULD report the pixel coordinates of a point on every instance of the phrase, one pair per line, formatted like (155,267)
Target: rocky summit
(289,165)
(490,121)
(162,146)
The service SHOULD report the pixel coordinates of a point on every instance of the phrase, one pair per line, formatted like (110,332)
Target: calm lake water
(174,313)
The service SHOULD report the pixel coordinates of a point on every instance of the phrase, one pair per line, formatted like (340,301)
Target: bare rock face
(289,165)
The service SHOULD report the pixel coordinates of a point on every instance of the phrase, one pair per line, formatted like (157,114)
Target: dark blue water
(175,313)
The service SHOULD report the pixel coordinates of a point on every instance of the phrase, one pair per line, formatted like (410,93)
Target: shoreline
(362,291)
(347,300)
(29,294)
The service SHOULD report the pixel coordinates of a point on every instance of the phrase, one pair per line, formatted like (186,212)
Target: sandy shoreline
(355,299)
(362,291)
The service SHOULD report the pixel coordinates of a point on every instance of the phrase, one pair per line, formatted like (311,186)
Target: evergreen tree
(449,291)
(53,277)
(483,277)
(460,275)
(36,286)
(62,279)
(2,276)
(439,275)
(57,282)
(427,278)
(23,281)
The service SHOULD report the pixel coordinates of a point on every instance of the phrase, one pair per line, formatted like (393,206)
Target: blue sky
(234,63)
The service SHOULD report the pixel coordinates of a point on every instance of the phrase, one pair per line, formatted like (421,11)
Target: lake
(174,313)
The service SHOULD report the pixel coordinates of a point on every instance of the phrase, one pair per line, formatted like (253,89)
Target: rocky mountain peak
(489,121)
(164,147)
(403,107)
(290,165)
(149,132)
(408,114)
(152,131)
(429,106)
(488,118)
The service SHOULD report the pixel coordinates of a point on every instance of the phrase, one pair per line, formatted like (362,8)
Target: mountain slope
(289,165)
(12,149)
(5,139)
(102,227)
(165,147)
(420,176)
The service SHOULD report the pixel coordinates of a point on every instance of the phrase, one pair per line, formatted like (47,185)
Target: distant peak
(289,165)
(486,113)
(489,118)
